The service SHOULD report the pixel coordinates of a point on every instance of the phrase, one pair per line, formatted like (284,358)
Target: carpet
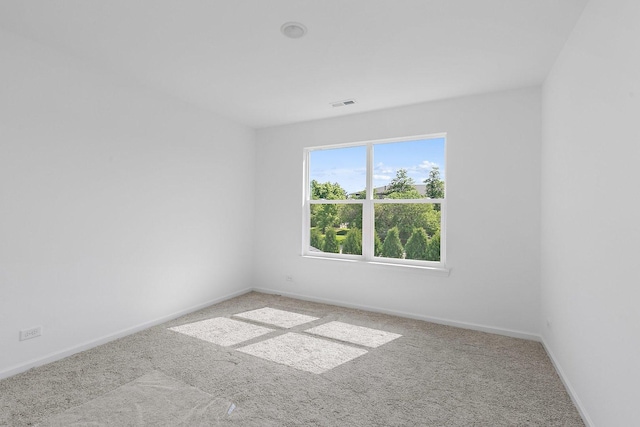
(432,375)
(151,400)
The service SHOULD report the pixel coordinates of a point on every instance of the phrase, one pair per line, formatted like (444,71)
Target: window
(378,201)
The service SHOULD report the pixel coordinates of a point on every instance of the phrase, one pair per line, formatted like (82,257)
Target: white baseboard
(464,325)
(105,339)
(567,385)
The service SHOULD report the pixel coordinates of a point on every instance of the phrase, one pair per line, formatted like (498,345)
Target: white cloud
(426,164)
(337,173)
(380,168)
(385,177)
(349,179)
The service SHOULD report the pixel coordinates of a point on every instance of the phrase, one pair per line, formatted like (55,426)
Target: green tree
(326,215)
(331,241)
(392,247)
(432,220)
(435,186)
(402,183)
(416,247)
(353,242)
(433,248)
(410,193)
(377,244)
(316,238)
(406,216)
(327,191)
(350,214)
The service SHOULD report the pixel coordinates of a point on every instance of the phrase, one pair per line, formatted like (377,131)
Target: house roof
(421,188)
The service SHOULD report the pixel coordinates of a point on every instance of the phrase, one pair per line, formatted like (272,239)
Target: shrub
(433,249)
(331,241)
(377,245)
(316,239)
(417,244)
(392,247)
(353,242)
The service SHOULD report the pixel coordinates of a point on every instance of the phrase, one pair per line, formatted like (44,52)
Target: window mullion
(306,206)
(367,210)
(443,232)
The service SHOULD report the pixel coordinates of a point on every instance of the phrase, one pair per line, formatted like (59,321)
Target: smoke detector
(293,30)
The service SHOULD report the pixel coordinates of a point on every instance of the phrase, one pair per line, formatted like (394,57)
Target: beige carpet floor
(339,367)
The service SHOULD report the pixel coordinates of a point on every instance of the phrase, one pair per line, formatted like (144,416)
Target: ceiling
(230,57)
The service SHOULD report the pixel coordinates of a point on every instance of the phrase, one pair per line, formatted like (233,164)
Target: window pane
(339,173)
(410,169)
(407,230)
(336,228)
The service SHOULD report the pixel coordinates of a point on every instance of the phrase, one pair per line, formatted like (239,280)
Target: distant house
(380,192)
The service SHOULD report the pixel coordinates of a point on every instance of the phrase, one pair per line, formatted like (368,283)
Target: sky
(347,166)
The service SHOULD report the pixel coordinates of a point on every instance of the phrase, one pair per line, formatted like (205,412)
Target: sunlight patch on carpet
(154,399)
(272,316)
(222,331)
(302,352)
(354,334)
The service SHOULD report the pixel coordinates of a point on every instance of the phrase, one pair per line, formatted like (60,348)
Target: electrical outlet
(27,334)
(289,278)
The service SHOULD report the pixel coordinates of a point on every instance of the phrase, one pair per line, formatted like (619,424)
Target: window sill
(436,271)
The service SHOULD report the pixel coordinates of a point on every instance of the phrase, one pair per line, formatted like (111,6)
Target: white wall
(590,212)
(493,184)
(118,207)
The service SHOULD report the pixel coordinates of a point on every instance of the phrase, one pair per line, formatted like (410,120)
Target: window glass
(336,228)
(408,231)
(337,173)
(407,166)
(393,212)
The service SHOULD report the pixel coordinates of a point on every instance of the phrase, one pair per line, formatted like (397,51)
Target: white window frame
(368,204)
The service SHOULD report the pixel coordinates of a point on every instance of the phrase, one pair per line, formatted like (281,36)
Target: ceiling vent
(343,103)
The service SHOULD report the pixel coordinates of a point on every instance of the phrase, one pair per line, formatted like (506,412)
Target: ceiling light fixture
(293,30)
